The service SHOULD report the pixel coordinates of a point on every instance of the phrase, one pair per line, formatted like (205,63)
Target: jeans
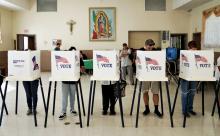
(68,90)
(130,73)
(31,88)
(188,92)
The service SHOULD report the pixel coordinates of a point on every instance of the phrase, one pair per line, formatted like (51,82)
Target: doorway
(25,42)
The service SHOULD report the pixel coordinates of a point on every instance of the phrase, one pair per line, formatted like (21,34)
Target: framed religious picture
(102,24)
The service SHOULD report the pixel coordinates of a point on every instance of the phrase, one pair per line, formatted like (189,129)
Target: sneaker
(112,113)
(29,112)
(73,112)
(62,116)
(193,113)
(104,113)
(146,112)
(186,114)
(158,113)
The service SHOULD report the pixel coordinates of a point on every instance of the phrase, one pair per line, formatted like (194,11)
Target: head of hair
(72,48)
(58,43)
(192,44)
(150,42)
(124,44)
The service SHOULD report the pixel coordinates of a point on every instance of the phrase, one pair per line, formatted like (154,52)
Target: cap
(149,42)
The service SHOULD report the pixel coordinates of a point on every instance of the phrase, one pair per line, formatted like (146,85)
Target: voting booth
(150,65)
(24,64)
(106,65)
(197,65)
(65,65)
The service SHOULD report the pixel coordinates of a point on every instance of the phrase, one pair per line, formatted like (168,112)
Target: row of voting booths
(65,66)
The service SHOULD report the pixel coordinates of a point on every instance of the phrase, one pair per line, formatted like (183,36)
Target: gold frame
(107,27)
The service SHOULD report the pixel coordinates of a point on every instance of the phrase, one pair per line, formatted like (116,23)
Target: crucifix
(71,23)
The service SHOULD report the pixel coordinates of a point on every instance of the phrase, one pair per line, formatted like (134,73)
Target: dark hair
(150,42)
(192,44)
(125,44)
(58,43)
(72,48)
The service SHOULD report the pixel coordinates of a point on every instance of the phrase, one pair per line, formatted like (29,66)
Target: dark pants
(31,88)
(1,80)
(108,96)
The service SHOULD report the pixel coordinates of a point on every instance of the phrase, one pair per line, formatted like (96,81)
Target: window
(212,32)
(155,5)
(46,5)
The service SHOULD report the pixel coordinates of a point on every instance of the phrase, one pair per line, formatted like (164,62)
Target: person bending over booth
(69,89)
(31,88)
(153,86)
(188,89)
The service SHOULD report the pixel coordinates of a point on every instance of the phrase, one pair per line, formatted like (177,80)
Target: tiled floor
(22,125)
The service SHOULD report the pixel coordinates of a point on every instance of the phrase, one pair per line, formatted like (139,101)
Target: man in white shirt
(126,63)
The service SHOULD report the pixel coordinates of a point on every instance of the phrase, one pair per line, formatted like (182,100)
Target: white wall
(6,28)
(196,17)
(130,15)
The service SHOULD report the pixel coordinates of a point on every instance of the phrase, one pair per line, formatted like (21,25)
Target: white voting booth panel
(150,65)
(23,65)
(65,65)
(197,65)
(106,65)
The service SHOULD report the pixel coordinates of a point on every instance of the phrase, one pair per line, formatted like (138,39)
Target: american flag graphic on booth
(151,61)
(184,58)
(101,58)
(60,59)
(36,67)
(199,58)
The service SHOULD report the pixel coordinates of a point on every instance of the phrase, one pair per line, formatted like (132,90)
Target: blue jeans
(68,90)
(188,92)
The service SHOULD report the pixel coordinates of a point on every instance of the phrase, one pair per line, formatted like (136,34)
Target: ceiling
(192,4)
(15,5)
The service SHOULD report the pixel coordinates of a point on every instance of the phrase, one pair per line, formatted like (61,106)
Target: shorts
(153,86)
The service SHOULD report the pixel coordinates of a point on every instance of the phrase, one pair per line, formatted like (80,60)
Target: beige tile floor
(22,125)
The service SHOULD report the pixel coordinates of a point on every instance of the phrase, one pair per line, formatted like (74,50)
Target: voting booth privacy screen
(24,64)
(150,65)
(65,65)
(197,65)
(106,64)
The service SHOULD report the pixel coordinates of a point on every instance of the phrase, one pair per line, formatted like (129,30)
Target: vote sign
(150,65)
(65,64)
(24,63)
(106,64)
(195,65)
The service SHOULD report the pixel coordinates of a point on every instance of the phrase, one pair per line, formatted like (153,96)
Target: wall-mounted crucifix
(71,23)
